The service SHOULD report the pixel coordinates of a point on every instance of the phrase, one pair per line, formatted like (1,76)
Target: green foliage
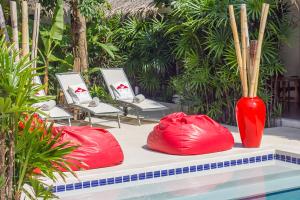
(92,9)
(51,51)
(191,49)
(219,87)
(138,45)
(101,93)
(28,147)
(36,148)
(17,91)
(57,28)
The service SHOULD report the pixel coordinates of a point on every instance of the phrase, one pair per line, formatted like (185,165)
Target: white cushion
(139,98)
(46,105)
(79,94)
(122,91)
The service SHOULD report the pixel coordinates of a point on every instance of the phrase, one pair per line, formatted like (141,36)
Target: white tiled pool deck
(133,140)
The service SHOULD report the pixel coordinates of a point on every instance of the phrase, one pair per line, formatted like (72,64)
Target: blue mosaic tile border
(287,158)
(175,171)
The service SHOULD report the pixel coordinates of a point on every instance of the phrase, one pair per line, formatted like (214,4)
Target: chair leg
(69,121)
(125,111)
(163,113)
(138,118)
(119,120)
(90,120)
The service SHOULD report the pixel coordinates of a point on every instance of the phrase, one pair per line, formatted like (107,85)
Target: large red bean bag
(180,134)
(96,147)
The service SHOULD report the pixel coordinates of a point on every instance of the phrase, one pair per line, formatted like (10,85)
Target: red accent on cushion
(79,90)
(97,147)
(180,134)
(122,86)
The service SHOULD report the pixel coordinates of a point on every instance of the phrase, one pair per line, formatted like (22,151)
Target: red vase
(251,117)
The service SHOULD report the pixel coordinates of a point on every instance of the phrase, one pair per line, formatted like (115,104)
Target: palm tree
(78,27)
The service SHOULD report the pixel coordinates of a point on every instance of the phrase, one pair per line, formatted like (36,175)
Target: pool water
(275,181)
(289,194)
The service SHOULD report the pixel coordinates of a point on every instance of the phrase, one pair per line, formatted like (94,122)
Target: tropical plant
(21,149)
(81,11)
(101,93)
(100,46)
(51,40)
(191,49)
(146,52)
(205,23)
(39,154)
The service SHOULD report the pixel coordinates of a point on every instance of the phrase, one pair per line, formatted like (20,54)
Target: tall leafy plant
(207,25)
(39,154)
(146,53)
(23,148)
(51,40)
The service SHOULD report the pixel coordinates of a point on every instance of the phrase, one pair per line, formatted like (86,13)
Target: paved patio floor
(133,140)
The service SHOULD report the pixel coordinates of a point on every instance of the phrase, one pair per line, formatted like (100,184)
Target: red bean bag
(180,134)
(97,147)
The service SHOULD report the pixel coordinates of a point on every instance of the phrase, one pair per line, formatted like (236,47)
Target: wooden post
(254,81)
(25,31)
(244,46)
(237,46)
(35,34)
(14,24)
(3,29)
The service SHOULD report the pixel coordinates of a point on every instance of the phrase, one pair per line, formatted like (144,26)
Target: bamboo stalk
(3,29)
(254,81)
(248,67)
(257,75)
(35,34)
(14,24)
(244,46)
(237,46)
(253,50)
(25,31)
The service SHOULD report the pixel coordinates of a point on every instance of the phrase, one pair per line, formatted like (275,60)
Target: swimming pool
(273,179)
(289,194)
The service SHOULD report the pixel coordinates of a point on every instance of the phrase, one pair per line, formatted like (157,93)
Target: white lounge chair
(56,113)
(114,75)
(72,78)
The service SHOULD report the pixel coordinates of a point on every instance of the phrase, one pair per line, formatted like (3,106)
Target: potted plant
(250,109)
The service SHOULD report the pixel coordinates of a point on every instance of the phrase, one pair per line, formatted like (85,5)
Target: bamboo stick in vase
(248,49)
(35,36)
(253,50)
(265,15)
(244,46)
(14,24)
(25,31)
(254,81)
(3,29)
(237,46)
(248,67)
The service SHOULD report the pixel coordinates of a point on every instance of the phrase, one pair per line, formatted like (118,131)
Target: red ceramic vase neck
(251,117)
